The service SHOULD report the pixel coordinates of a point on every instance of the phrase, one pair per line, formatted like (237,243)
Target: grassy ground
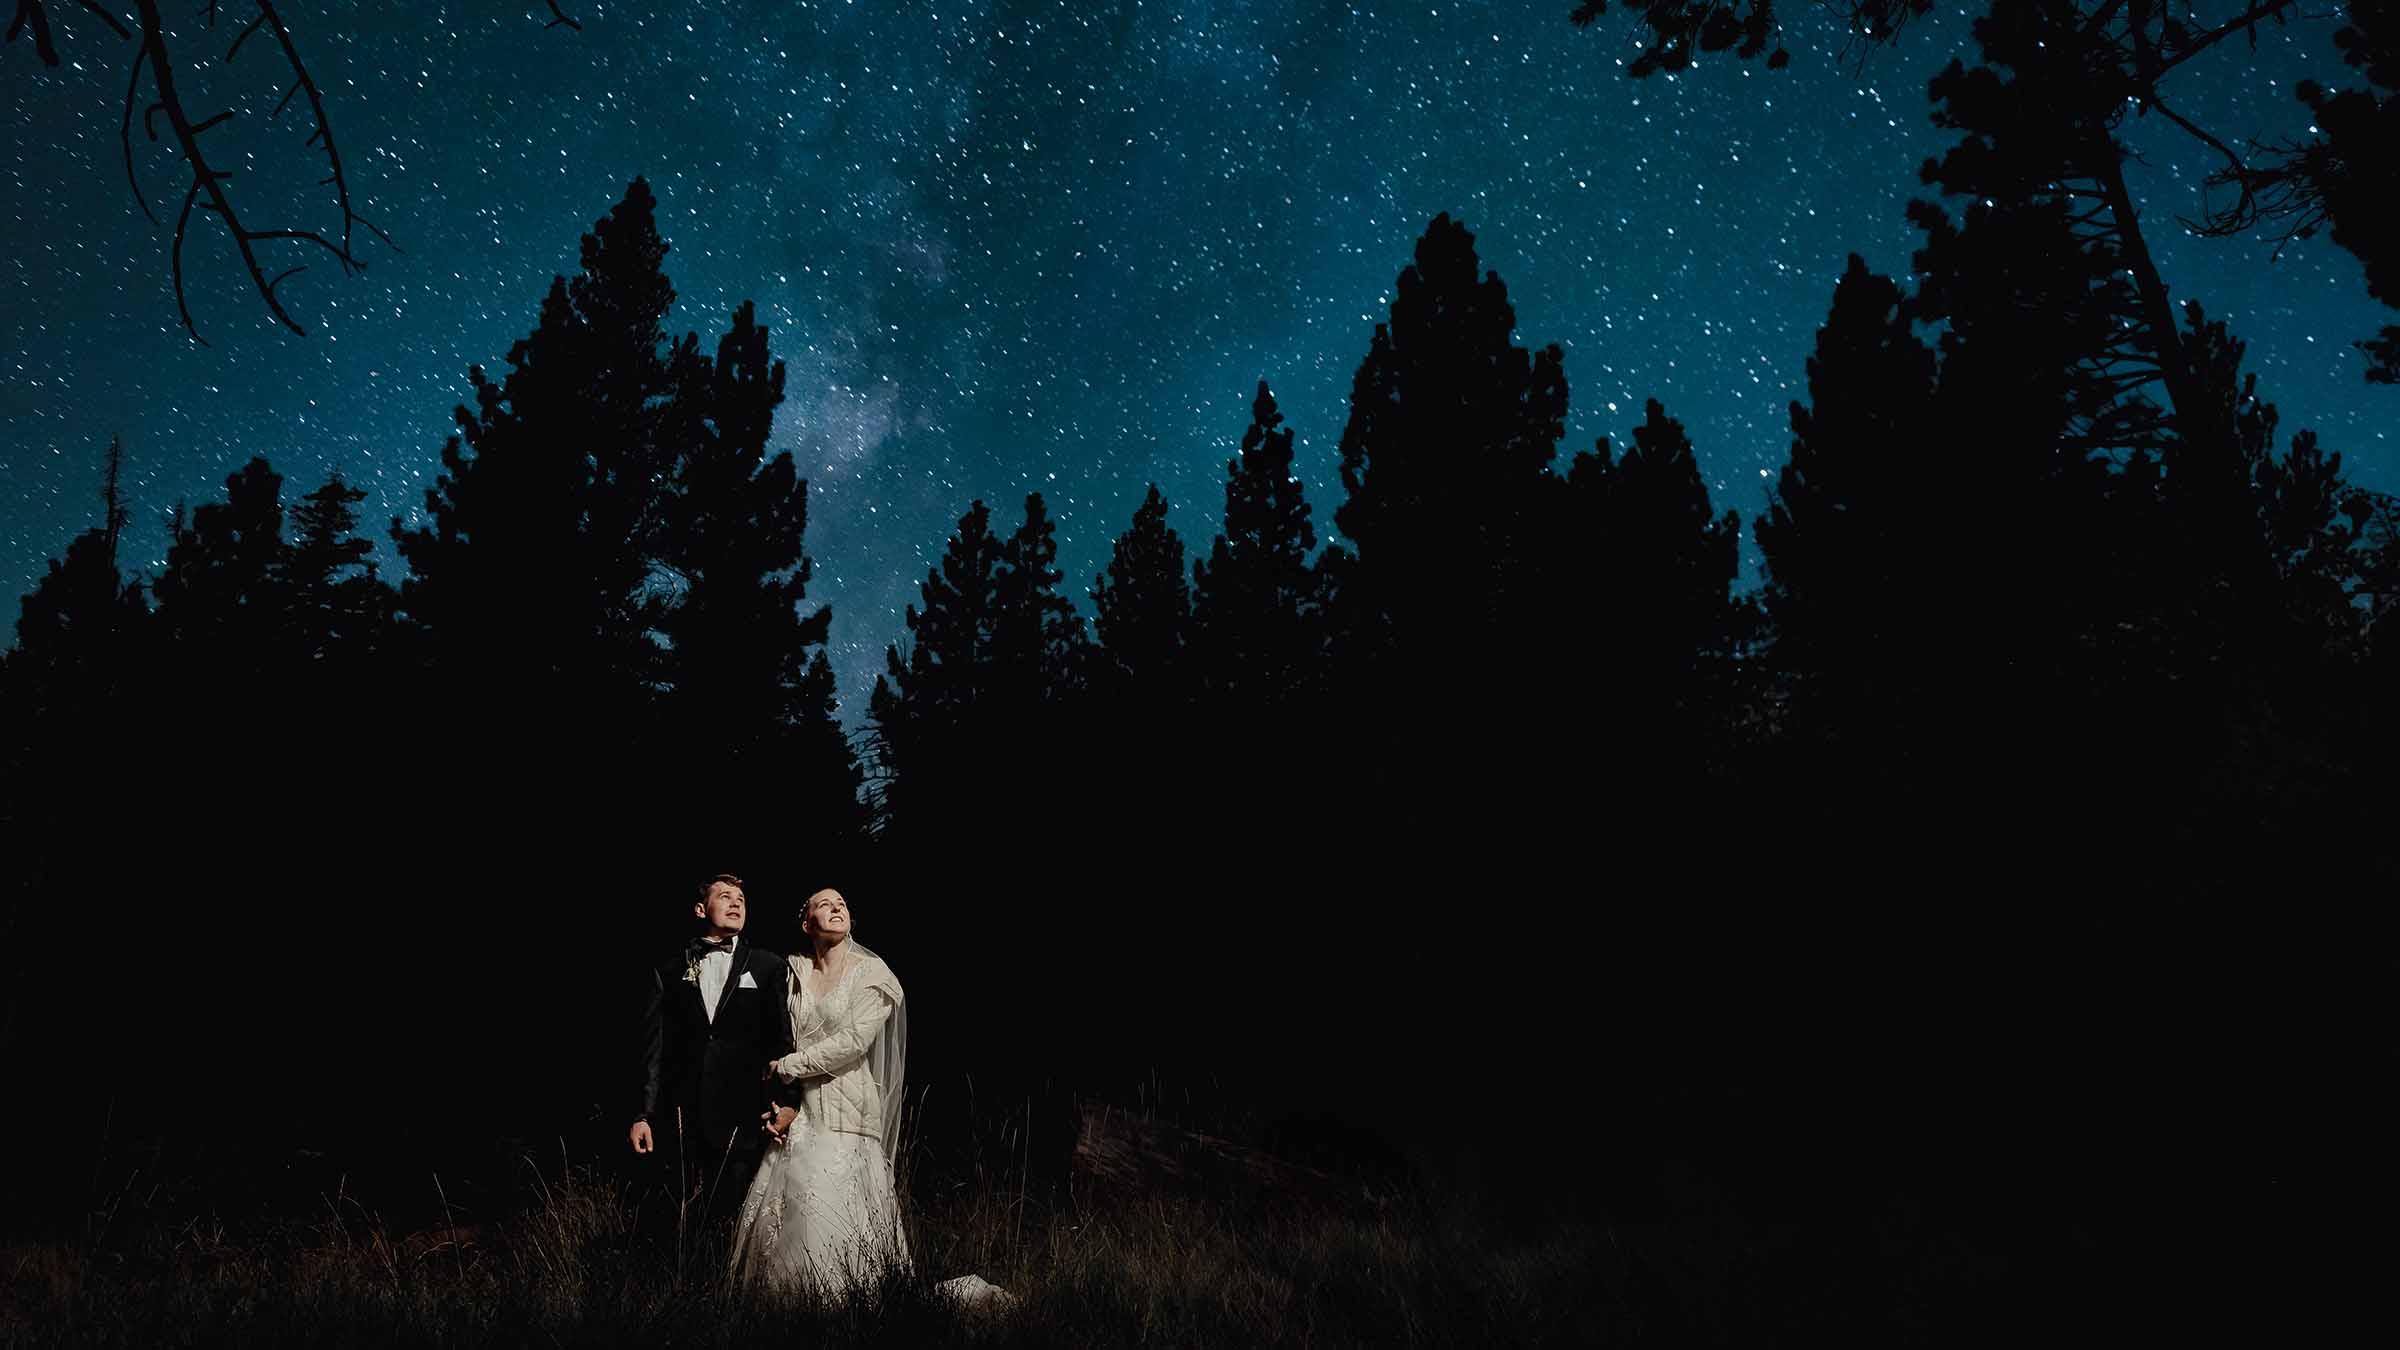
(1186,1242)
(576,1267)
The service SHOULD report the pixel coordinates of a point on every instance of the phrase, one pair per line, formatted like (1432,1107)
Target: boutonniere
(691,971)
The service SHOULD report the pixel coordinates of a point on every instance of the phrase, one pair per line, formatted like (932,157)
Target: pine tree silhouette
(1258,604)
(1038,645)
(748,681)
(80,630)
(1143,608)
(224,600)
(933,701)
(1658,572)
(1856,513)
(1446,459)
(1682,29)
(2341,180)
(341,608)
(532,577)
(75,731)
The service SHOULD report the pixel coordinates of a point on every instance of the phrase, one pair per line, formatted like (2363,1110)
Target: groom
(715,1017)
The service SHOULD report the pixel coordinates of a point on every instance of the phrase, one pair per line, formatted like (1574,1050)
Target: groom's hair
(711,884)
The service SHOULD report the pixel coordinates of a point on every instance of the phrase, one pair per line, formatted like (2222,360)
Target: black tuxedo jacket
(711,1068)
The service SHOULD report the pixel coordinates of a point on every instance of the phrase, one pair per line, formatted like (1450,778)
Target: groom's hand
(778,1121)
(639,1136)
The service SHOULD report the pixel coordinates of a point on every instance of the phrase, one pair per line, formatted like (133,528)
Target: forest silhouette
(2001,847)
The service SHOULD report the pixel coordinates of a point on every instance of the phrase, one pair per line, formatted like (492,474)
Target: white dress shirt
(715,969)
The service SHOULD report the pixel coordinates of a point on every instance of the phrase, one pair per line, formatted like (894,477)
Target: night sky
(1017,246)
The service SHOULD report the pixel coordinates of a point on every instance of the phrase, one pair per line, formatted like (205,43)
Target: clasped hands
(777,1120)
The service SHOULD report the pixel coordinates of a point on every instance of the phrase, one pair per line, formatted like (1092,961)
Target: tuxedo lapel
(685,996)
(738,963)
(733,986)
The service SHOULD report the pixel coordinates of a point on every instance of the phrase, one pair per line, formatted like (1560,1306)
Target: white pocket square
(747,982)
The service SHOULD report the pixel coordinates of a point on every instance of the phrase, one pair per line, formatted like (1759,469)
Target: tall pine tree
(73,735)
(938,693)
(224,600)
(1657,573)
(1258,603)
(1445,458)
(340,605)
(532,575)
(79,630)
(1853,526)
(748,683)
(1037,637)
(1143,608)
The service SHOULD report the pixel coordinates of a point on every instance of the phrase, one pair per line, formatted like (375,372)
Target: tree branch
(207,192)
(244,36)
(133,83)
(2244,212)
(175,256)
(31,12)
(123,33)
(204,179)
(207,189)
(2247,21)
(324,134)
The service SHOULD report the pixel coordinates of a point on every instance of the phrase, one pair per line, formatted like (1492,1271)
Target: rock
(973,1293)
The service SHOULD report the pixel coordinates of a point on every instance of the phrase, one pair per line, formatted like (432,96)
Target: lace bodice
(816,1015)
(834,1030)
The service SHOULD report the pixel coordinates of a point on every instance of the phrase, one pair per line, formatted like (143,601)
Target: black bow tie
(702,947)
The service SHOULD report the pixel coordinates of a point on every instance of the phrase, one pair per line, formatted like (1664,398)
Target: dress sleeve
(846,1044)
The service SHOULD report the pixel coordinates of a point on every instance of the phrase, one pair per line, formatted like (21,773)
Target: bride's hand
(777,1121)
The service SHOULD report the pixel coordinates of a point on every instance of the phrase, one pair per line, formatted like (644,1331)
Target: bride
(822,1215)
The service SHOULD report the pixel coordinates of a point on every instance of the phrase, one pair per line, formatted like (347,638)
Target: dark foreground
(1137,1247)
(570,1273)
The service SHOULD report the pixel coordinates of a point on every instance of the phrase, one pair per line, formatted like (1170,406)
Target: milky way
(1008,246)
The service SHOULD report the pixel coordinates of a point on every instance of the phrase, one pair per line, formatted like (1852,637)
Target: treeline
(373,860)
(2043,768)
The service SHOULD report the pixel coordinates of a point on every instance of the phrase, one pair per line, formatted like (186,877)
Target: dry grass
(575,1269)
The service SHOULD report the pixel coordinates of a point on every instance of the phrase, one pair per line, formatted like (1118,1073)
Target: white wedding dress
(822,1215)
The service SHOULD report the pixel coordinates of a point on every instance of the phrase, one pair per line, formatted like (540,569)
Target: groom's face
(724,908)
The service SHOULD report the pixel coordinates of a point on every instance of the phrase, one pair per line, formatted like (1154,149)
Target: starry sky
(1015,245)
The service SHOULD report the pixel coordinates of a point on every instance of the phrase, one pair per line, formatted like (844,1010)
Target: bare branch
(324,137)
(206,190)
(2246,22)
(133,82)
(2244,211)
(204,179)
(242,37)
(558,17)
(305,236)
(111,20)
(31,12)
(176,255)
(2288,190)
